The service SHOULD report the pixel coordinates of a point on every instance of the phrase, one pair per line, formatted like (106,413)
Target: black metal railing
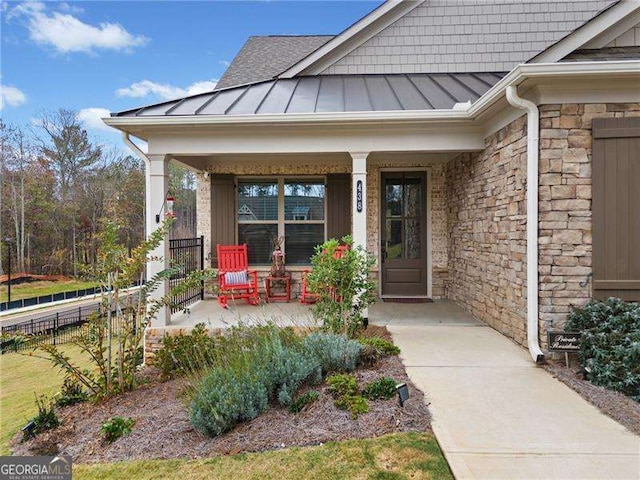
(54,297)
(57,328)
(187,255)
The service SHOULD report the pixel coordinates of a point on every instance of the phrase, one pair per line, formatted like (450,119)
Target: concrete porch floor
(438,313)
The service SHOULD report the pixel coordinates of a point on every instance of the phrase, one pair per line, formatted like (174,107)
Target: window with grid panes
(292,208)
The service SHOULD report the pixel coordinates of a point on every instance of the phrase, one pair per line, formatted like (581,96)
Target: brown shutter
(338,205)
(223,218)
(616,208)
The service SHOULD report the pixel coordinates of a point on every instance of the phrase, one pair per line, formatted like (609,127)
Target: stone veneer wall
(565,250)
(437,200)
(487,220)
(487,230)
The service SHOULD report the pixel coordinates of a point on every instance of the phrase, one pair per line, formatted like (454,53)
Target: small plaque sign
(564,341)
(359,196)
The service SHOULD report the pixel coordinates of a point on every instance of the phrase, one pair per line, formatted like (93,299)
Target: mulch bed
(613,404)
(162,428)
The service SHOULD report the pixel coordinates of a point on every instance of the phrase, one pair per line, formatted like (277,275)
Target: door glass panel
(394,239)
(394,197)
(413,237)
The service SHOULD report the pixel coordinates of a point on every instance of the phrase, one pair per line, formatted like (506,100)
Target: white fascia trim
(614,31)
(587,32)
(538,70)
(293,118)
(323,57)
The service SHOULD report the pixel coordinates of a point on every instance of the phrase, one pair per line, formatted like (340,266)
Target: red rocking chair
(234,278)
(308,297)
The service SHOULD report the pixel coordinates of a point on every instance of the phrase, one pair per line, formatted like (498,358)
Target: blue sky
(95,56)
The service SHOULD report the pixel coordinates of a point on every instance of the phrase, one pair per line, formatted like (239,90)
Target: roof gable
(351,38)
(264,57)
(597,33)
(466,36)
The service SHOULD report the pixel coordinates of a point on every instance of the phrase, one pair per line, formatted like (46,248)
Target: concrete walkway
(497,415)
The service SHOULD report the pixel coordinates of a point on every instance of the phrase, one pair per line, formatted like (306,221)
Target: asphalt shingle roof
(332,93)
(262,58)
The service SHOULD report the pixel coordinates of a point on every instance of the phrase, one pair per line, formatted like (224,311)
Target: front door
(403,234)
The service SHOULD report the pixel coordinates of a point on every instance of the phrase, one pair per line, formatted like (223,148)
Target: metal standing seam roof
(331,93)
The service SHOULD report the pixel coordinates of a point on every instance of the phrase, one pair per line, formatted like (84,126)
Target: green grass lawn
(36,289)
(21,377)
(397,456)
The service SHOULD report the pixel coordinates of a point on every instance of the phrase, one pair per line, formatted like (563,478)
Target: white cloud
(165,91)
(91,118)
(67,34)
(12,96)
(224,63)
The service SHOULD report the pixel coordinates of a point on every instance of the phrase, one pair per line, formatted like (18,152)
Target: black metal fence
(56,328)
(187,254)
(54,297)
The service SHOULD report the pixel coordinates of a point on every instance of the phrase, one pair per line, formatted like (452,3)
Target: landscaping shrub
(343,286)
(335,353)
(354,404)
(113,335)
(71,392)
(344,388)
(610,344)
(342,384)
(116,427)
(375,348)
(46,418)
(383,388)
(303,400)
(253,366)
(183,354)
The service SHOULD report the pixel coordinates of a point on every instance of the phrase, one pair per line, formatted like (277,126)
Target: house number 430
(359,196)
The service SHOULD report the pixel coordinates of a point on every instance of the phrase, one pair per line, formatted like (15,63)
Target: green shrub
(226,397)
(344,388)
(610,344)
(375,348)
(354,404)
(343,286)
(71,392)
(116,427)
(342,384)
(303,400)
(183,354)
(335,353)
(46,418)
(253,366)
(383,388)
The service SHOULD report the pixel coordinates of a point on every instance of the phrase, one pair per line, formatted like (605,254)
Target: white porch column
(157,187)
(359,205)
(359,201)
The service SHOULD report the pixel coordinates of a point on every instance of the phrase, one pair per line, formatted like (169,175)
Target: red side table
(270,281)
